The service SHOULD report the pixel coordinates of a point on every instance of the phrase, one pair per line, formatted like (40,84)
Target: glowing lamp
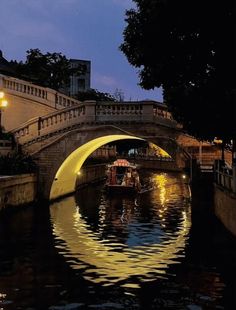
(4,103)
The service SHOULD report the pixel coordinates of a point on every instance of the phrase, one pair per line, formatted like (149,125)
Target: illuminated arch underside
(65,178)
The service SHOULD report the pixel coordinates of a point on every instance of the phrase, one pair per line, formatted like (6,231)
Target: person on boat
(135,177)
(127,178)
(124,181)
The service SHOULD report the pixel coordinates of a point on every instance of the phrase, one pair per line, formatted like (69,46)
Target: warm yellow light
(184,176)
(4,104)
(158,151)
(112,266)
(78,173)
(67,173)
(218,141)
(1,94)
(161,180)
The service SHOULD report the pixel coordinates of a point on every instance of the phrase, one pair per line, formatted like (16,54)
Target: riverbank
(222,200)
(17,190)
(225,207)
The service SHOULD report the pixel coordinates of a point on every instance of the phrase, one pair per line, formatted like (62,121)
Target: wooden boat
(122,177)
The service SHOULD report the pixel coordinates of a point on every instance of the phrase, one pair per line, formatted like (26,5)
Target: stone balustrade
(108,110)
(161,111)
(73,112)
(63,101)
(92,112)
(133,111)
(224,179)
(225,176)
(53,122)
(28,90)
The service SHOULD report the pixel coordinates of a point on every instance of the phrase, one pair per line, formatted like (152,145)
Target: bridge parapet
(45,125)
(225,176)
(93,113)
(28,90)
(135,110)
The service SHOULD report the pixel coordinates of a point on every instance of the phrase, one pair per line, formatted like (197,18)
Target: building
(79,82)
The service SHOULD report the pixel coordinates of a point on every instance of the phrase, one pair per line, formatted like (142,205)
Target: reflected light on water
(160,181)
(125,244)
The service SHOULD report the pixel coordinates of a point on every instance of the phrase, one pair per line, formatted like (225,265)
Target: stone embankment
(17,190)
(225,207)
(91,174)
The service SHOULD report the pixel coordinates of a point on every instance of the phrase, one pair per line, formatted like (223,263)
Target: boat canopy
(123,163)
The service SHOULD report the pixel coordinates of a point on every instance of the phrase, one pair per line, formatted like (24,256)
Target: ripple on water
(122,237)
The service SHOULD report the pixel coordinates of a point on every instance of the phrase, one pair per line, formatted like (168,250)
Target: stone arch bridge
(65,131)
(75,132)
(60,160)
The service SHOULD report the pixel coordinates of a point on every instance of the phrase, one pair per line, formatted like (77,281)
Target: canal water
(156,250)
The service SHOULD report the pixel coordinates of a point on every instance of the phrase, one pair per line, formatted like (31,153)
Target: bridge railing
(28,90)
(224,176)
(53,122)
(91,112)
(139,111)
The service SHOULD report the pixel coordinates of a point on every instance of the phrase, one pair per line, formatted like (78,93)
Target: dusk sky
(81,29)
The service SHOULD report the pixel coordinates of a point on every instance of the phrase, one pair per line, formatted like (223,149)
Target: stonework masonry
(27,101)
(225,207)
(91,174)
(17,190)
(50,126)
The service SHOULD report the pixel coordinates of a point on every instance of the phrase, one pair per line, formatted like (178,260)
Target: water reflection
(129,239)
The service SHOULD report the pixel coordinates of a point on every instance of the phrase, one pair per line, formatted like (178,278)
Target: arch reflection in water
(123,238)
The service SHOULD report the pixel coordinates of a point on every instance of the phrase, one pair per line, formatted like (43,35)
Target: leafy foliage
(7,136)
(49,70)
(17,163)
(187,48)
(94,94)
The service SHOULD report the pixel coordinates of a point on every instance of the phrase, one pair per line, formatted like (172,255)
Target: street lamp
(3,105)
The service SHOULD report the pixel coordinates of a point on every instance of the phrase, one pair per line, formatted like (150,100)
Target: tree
(17,163)
(188,49)
(94,94)
(49,70)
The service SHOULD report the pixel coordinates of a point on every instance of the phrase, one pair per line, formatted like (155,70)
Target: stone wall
(90,174)
(165,165)
(225,207)
(17,190)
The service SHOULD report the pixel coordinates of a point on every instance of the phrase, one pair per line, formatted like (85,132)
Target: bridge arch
(65,178)
(55,158)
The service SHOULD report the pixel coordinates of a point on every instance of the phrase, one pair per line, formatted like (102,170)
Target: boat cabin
(122,175)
